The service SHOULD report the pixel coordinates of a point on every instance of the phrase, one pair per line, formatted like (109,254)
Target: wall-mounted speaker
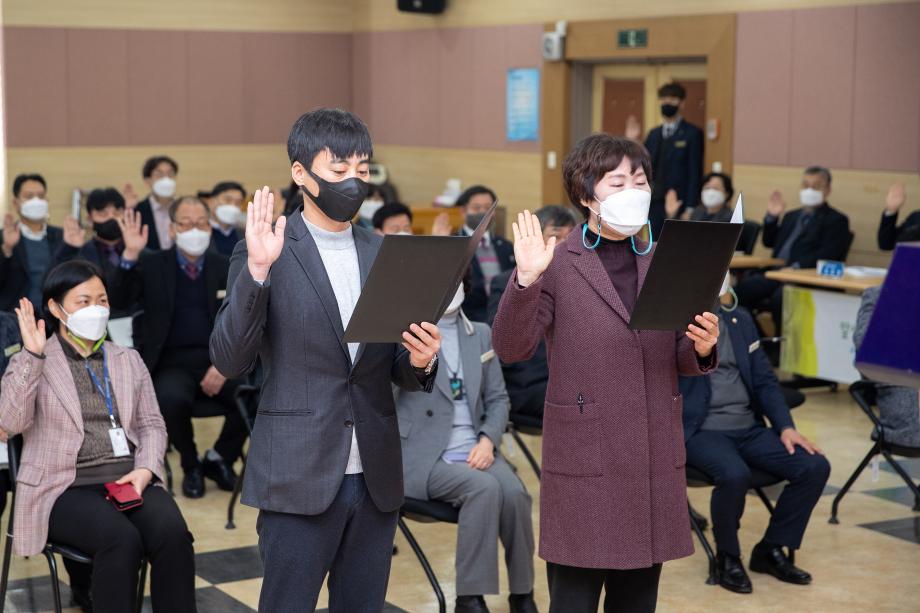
(422,6)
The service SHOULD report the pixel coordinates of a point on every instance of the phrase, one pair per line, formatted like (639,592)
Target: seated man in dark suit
(494,254)
(676,150)
(526,381)
(160,176)
(813,232)
(393,218)
(31,244)
(226,204)
(180,290)
(726,436)
(889,232)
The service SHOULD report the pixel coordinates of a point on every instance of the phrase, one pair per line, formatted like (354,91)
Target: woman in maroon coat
(613,503)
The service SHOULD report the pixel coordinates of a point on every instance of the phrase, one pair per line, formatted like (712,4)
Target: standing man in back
(324,465)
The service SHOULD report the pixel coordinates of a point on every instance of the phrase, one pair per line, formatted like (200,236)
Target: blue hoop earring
(735,305)
(648,248)
(584,236)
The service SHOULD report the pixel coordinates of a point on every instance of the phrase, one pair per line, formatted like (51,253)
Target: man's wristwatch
(429,368)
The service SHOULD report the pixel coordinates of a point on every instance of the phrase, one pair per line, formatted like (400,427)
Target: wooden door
(622,98)
(694,109)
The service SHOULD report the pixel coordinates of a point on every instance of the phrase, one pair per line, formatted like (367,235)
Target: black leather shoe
(522,603)
(471,604)
(193,483)
(219,472)
(773,561)
(732,575)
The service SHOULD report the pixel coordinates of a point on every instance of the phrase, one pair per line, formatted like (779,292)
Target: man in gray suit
(450,443)
(324,464)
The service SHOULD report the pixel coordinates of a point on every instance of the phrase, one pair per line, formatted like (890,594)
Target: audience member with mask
(613,491)
(493,254)
(800,238)
(393,218)
(159,174)
(180,290)
(90,421)
(226,204)
(714,200)
(450,447)
(31,245)
(725,427)
(373,202)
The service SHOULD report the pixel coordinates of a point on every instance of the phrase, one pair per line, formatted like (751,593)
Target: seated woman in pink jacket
(88,416)
(613,501)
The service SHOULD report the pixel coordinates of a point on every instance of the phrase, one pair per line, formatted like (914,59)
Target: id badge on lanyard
(117,434)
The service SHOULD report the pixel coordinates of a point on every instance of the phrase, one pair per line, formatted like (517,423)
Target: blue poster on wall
(522,106)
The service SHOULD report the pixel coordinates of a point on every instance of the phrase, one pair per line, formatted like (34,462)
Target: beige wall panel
(383,15)
(859,194)
(421,172)
(245,15)
(200,167)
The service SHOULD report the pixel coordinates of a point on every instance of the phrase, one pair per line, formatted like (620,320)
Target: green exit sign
(632,39)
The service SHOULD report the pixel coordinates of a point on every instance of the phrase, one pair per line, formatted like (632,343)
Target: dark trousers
(177,382)
(726,457)
(578,590)
(81,517)
(352,541)
(757,291)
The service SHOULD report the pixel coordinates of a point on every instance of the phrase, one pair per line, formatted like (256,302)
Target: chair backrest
(247,401)
(749,233)
(14,450)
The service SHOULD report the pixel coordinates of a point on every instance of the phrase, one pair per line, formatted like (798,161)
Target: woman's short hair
(592,158)
(60,280)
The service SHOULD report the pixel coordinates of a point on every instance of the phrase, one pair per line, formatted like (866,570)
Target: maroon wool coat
(613,492)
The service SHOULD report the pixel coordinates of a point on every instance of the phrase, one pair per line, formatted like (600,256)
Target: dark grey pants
(352,541)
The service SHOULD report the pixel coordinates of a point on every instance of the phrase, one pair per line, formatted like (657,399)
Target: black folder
(686,273)
(413,279)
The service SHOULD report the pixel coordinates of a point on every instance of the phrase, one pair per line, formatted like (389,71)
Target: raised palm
(33,334)
(897,196)
(11,233)
(263,243)
(531,252)
(134,234)
(776,205)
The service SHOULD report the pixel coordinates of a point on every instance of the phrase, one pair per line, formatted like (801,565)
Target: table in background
(423,216)
(818,324)
(743,261)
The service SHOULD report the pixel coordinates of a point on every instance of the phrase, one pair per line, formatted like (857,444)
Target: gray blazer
(897,405)
(311,395)
(425,421)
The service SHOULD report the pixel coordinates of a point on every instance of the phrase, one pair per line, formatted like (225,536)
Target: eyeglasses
(184,226)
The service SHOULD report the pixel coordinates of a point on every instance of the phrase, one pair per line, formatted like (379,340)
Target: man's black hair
(20,179)
(226,186)
(102,197)
(343,133)
(467,195)
(390,210)
(151,164)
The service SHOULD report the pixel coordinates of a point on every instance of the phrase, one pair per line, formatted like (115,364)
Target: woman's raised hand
(32,333)
(531,252)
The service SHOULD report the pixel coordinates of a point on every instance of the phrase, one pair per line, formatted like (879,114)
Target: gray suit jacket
(425,421)
(311,395)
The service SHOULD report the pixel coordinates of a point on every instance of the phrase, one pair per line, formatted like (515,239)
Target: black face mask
(669,110)
(340,200)
(108,230)
(474,219)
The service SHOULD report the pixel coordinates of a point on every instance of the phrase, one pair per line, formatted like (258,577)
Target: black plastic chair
(864,393)
(247,399)
(519,423)
(14,446)
(749,234)
(697,478)
(426,511)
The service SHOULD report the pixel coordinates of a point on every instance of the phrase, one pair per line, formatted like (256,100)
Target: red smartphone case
(122,496)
